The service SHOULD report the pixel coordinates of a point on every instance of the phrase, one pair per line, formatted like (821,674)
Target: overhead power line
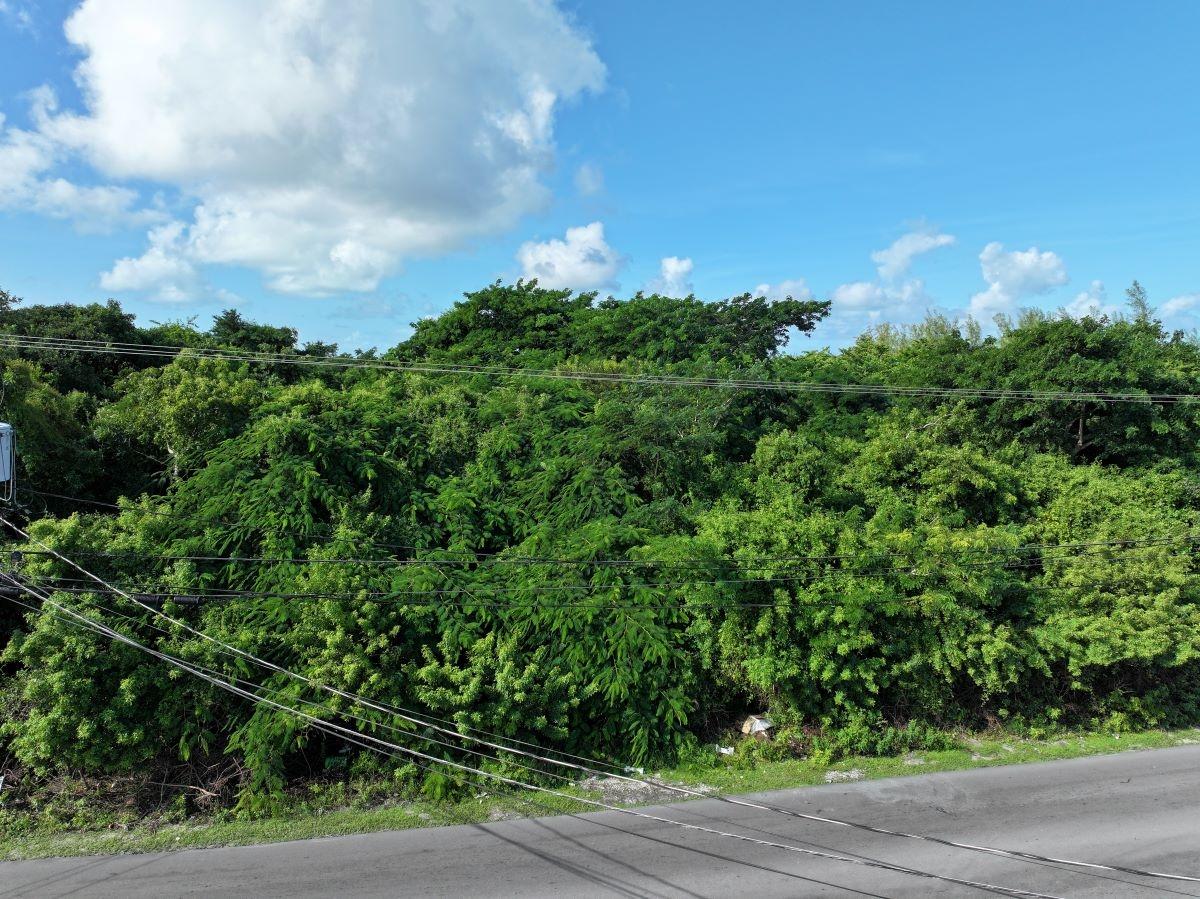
(230,649)
(491,559)
(159,351)
(756,562)
(532,598)
(69,618)
(157,596)
(593,766)
(506,558)
(911,565)
(389,748)
(340,713)
(1016,854)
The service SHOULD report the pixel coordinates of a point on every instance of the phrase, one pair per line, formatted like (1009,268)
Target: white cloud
(1183,303)
(859,295)
(26,159)
(589,179)
(796,288)
(162,269)
(1014,275)
(895,261)
(322,143)
(1093,302)
(583,261)
(674,277)
(893,292)
(24,156)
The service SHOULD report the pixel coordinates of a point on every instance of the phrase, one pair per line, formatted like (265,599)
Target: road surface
(1139,809)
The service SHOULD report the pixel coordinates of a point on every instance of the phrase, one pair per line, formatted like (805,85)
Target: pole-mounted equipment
(8,464)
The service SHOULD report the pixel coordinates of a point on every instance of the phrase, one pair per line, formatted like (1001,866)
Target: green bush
(858,564)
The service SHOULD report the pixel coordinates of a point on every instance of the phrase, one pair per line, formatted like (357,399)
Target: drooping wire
(762,562)
(912,569)
(497,558)
(170,352)
(387,748)
(391,710)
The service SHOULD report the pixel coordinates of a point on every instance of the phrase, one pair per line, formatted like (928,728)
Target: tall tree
(1139,303)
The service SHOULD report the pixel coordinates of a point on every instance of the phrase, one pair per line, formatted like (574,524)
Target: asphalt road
(1139,809)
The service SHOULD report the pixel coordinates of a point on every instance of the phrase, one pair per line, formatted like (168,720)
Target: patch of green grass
(739,774)
(193,835)
(977,752)
(309,821)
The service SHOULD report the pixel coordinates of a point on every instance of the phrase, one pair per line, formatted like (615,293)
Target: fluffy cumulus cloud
(27,182)
(1184,303)
(163,269)
(1092,302)
(796,288)
(1014,275)
(859,295)
(895,261)
(894,290)
(583,260)
(674,277)
(320,143)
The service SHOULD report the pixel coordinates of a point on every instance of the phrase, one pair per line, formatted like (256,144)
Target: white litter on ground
(835,777)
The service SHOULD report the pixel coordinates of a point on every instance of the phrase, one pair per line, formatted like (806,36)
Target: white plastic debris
(757,726)
(837,777)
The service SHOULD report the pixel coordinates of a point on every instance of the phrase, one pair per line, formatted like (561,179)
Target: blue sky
(350,173)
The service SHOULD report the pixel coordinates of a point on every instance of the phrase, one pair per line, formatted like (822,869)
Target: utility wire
(533,802)
(158,595)
(911,570)
(488,559)
(154,594)
(643,781)
(175,516)
(259,689)
(170,352)
(388,748)
(492,558)
(545,759)
(1099,547)
(269,690)
(483,559)
(623,775)
(790,386)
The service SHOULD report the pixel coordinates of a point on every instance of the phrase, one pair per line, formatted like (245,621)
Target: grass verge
(738,774)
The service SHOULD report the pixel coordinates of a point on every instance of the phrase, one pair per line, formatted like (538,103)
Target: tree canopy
(446,542)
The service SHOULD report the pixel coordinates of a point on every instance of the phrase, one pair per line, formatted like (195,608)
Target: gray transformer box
(6,452)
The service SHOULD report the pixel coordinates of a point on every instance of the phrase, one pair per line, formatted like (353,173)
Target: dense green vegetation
(873,569)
